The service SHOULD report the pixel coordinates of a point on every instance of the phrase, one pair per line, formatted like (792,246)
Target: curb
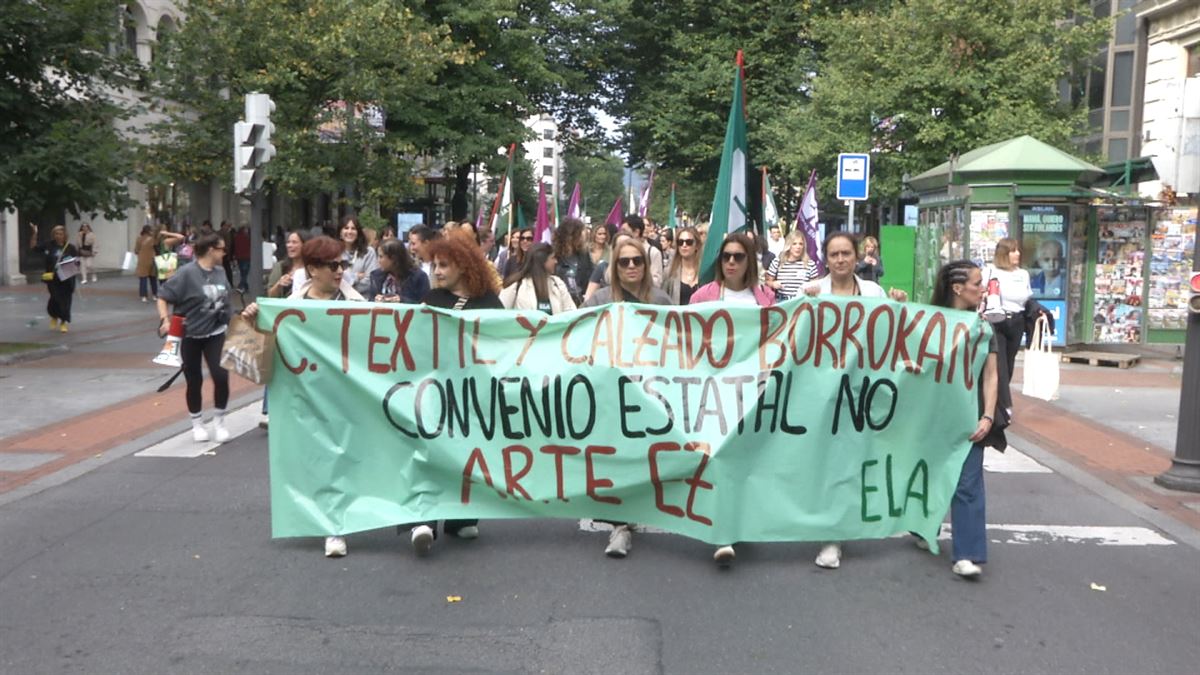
(33,355)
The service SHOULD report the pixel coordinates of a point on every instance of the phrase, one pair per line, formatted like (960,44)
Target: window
(548,170)
(1193,60)
(1122,78)
(1118,150)
(548,153)
(1118,120)
(130,22)
(548,135)
(1096,82)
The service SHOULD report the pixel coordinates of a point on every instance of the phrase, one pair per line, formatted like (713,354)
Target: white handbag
(1041,364)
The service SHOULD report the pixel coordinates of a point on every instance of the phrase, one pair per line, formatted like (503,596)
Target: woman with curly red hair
(462,279)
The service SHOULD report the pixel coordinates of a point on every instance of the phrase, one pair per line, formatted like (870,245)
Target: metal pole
(256,245)
(850,217)
(1184,473)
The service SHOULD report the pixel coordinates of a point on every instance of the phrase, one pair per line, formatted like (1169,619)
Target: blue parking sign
(853,176)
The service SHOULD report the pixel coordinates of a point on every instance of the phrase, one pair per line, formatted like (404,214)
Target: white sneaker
(422,539)
(966,568)
(199,433)
(84,282)
(921,543)
(94,279)
(620,540)
(468,532)
(830,557)
(222,434)
(144,299)
(724,556)
(335,547)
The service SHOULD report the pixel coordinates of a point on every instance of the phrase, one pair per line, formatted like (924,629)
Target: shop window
(1118,149)
(1122,78)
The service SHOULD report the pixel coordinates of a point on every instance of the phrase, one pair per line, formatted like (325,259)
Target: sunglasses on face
(333,265)
(631,261)
(526,237)
(733,257)
(687,242)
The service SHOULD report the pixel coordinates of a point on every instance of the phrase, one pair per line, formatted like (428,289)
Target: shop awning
(1129,172)
(1013,160)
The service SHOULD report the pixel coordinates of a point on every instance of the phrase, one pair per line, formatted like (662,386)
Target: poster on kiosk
(1044,255)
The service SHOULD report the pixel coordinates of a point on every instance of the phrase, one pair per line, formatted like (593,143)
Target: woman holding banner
(536,286)
(462,279)
(324,266)
(959,285)
(629,281)
(736,283)
(841,256)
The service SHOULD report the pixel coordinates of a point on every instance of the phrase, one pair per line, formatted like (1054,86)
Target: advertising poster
(1119,281)
(1172,244)
(1044,249)
(987,227)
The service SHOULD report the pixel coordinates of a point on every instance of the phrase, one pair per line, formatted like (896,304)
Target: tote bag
(1041,364)
(248,352)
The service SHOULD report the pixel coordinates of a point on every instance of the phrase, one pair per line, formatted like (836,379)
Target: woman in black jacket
(59,256)
(397,279)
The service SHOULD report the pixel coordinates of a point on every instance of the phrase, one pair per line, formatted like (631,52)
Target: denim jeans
(968,517)
(244,273)
(150,282)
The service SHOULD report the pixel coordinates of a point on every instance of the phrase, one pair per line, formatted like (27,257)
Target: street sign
(853,176)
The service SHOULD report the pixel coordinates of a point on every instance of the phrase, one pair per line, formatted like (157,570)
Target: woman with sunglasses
(736,283)
(683,274)
(522,241)
(324,267)
(536,286)
(397,279)
(841,255)
(360,257)
(792,269)
(462,279)
(629,281)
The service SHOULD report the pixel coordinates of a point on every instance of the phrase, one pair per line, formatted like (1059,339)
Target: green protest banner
(815,420)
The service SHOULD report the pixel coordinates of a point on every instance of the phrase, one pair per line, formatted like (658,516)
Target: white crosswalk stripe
(182,446)
(1011,460)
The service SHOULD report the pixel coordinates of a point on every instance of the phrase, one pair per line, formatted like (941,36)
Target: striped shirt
(792,276)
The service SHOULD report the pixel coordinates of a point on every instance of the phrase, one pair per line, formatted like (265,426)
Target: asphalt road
(156,565)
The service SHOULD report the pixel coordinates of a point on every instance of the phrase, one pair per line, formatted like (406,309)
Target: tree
(918,81)
(324,62)
(61,147)
(601,179)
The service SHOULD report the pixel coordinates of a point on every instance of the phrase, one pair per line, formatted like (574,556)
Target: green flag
(770,213)
(521,224)
(672,224)
(729,210)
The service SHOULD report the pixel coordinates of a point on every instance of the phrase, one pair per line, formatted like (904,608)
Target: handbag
(1041,364)
(130,261)
(247,352)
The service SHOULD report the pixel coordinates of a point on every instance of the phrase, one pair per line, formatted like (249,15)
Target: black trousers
(194,351)
(61,294)
(1009,334)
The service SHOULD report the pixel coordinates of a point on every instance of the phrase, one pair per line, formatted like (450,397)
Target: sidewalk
(1116,425)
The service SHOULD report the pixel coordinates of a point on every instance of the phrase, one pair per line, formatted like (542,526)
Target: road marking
(1011,460)
(237,422)
(1004,534)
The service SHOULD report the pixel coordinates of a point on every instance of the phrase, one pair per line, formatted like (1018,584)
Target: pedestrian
(536,286)
(870,265)
(959,285)
(419,238)
(199,291)
(147,250)
(397,279)
(226,232)
(487,243)
(683,275)
(241,253)
(792,269)
(1015,291)
(598,247)
(323,267)
(462,280)
(288,272)
(574,264)
(359,257)
(776,243)
(667,238)
(841,256)
(516,254)
(629,281)
(87,253)
(60,262)
(736,283)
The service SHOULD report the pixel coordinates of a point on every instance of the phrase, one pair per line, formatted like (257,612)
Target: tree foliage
(60,147)
(915,82)
(601,179)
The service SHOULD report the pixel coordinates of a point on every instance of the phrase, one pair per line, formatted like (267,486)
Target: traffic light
(1194,301)
(252,146)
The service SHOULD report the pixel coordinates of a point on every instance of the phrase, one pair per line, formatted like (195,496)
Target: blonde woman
(870,265)
(598,246)
(792,269)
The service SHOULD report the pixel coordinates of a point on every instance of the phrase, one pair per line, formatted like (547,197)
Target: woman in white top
(536,286)
(841,255)
(792,268)
(1015,291)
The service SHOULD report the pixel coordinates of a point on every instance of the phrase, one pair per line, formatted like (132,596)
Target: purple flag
(644,201)
(806,219)
(616,215)
(573,205)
